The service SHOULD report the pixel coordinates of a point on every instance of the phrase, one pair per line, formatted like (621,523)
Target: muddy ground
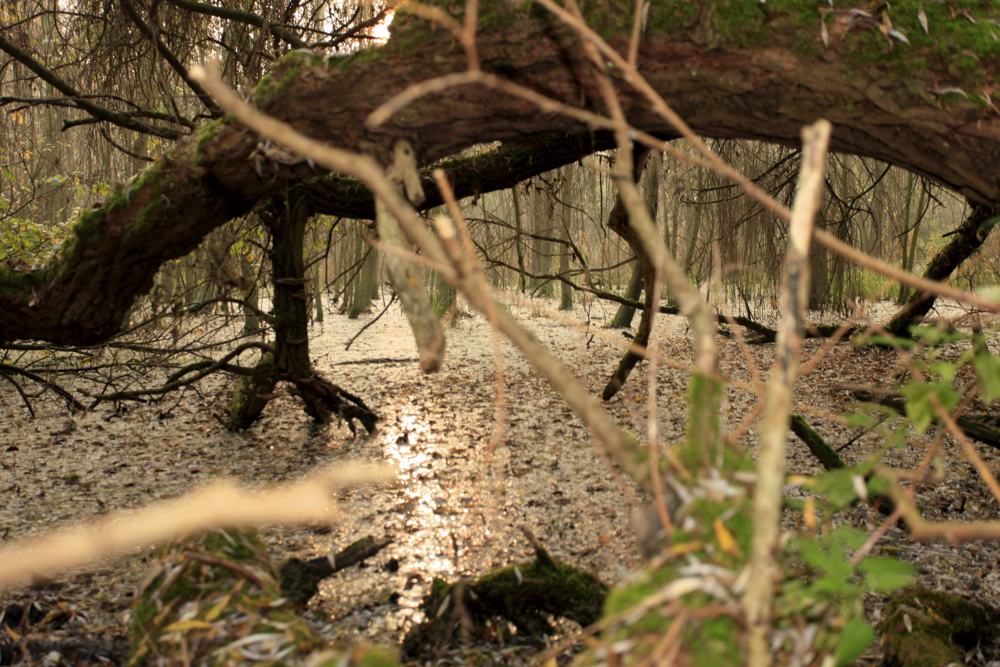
(463,500)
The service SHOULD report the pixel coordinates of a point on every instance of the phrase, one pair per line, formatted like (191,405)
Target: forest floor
(460,508)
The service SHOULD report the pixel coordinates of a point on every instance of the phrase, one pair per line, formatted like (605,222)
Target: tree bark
(624,314)
(566,292)
(321,399)
(753,79)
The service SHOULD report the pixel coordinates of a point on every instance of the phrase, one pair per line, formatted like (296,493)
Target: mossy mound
(525,594)
(214,599)
(929,628)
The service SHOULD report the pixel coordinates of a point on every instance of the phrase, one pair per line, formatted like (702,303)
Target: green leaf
(816,556)
(890,341)
(934,336)
(988,369)
(855,639)
(878,484)
(861,420)
(834,586)
(918,404)
(838,487)
(885,574)
(897,438)
(945,369)
(847,535)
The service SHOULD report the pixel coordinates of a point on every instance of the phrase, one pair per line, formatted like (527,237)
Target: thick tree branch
(513,161)
(240,16)
(767,93)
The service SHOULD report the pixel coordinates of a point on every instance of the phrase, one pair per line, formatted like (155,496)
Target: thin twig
(774,429)
(365,327)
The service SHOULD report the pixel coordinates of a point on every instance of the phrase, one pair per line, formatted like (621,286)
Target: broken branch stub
(403,273)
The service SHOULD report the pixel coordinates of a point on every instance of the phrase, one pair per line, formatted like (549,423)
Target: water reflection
(455,513)
(430,516)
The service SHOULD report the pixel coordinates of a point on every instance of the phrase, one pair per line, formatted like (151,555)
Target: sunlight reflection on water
(457,510)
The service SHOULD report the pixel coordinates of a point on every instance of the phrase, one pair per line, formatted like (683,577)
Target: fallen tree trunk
(300,579)
(525,594)
(756,78)
(973,426)
(826,454)
(830,459)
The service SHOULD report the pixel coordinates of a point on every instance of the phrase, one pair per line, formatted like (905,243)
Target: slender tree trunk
(624,314)
(695,228)
(317,295)
(541,249)
(618,222)
(905,241)
(361,302)
(911,256)
(519,240)
(566,292)
(251,323)
(965,241)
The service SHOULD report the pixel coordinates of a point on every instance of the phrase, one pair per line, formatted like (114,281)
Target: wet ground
(466,488)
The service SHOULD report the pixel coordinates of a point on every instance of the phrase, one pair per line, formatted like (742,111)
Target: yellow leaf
(13,635)
(809,515)
(684,547)
(181,626)
(214,612)
(726,541)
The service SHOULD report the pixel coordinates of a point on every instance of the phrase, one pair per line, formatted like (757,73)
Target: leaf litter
(459,506)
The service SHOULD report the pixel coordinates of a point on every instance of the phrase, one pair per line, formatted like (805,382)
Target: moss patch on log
(924,628)
(525,594)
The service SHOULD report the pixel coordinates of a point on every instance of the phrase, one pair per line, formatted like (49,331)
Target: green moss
(668,18)
(87,229)
(941,628)
(239,545)
(363,56)
(527,595)
(716,642)
(272,87)
(965,53)
(206,134)
(19,281)
(962,51)
(374,657)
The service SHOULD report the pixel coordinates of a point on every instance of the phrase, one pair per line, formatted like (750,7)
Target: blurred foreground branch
(220,504)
